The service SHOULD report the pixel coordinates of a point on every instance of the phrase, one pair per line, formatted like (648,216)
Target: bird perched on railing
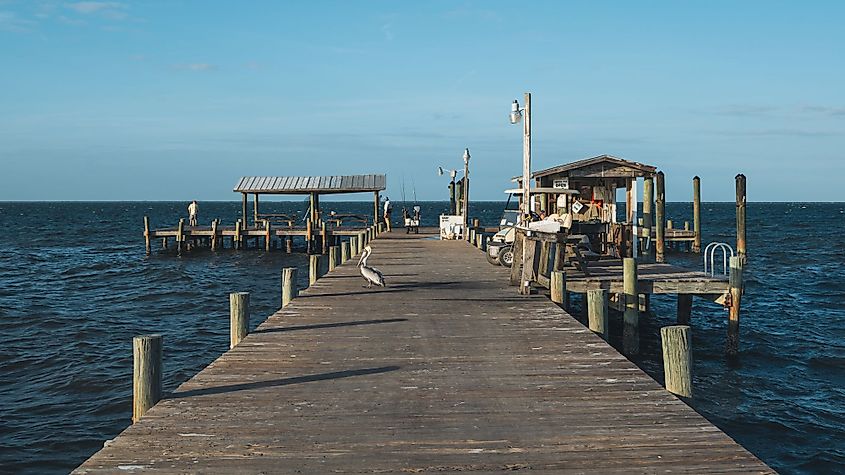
(371,274)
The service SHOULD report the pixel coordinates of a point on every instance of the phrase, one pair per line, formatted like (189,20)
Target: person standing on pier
(192,213)
(388,208)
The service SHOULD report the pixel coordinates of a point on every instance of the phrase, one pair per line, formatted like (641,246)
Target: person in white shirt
(192,213)
(388,208)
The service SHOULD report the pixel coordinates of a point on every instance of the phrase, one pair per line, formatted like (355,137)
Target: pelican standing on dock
(371,274)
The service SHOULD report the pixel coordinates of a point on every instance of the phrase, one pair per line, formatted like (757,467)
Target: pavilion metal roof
(291,185)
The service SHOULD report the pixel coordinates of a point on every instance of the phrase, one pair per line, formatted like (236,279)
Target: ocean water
(76,286)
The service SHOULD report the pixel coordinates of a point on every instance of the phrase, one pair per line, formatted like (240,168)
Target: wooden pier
(447,369)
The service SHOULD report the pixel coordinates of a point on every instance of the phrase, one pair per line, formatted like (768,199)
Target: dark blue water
(75,287)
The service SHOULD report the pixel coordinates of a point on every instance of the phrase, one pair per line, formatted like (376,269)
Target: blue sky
(175,100)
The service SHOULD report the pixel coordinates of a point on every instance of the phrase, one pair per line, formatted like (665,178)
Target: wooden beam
(696,213)
(243,207)
(740,217)
(660,216)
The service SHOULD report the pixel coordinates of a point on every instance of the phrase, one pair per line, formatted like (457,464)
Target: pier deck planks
(445,370)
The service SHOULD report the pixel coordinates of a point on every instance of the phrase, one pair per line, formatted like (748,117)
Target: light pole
(466,194)
(460,207)
(515,116)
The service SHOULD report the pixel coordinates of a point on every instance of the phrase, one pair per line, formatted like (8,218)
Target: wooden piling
(630,333)
(471,236)
(676,341)
(313,269)
(180,235)
(648,204)
(669,224)
(309,236)
(735,282)
(146,373)
(147,234)
(344,252)
(214,224)
(236,236)
(597,312)
(238,317)
(255,210)
(333,257)
(696,214)
(267,233)
(289,286)
(659,218)
(557,287)
(545,249)
(516,267)
(740,217)
(243,207)
(684,308)
(289,244)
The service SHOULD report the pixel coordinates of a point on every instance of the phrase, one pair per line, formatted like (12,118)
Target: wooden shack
(593,209)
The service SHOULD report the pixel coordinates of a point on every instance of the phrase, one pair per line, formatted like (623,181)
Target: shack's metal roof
(291,185)
(609,159)
(648,169)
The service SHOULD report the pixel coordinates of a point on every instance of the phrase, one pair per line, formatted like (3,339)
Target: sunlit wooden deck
(445,370)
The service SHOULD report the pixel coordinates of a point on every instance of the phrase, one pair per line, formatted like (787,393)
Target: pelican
(371,274)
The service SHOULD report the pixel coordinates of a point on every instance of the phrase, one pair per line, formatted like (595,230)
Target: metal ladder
(709,253)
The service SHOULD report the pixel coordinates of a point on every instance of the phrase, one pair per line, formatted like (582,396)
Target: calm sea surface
(75,287)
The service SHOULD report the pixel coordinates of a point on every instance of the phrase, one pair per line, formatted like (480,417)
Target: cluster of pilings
(147,349)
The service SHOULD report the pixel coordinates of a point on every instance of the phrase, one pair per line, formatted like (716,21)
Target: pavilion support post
(630,334)
(309,236)
(243,207)
(324,242)
(255,209)
(147,235)
(696,214)
(660,215)
(648,211)
(735,283)
(376,213)
(740,218)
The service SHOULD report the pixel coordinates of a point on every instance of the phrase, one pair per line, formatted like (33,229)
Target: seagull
(371,274)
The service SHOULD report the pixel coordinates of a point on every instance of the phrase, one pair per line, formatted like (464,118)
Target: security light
(516,113)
